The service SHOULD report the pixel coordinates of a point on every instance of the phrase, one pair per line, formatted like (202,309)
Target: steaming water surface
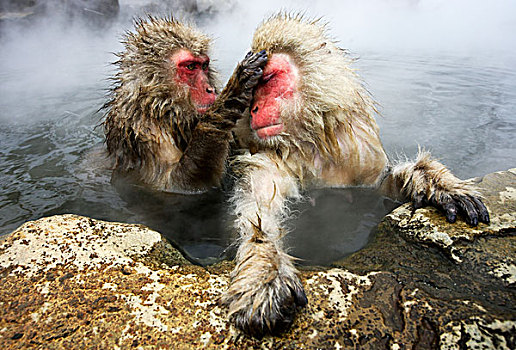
(461,107)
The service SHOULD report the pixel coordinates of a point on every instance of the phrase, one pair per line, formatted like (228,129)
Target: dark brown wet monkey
(165,121)
(312,124)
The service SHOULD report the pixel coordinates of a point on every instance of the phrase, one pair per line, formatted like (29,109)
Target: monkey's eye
(191,66)
(205,65)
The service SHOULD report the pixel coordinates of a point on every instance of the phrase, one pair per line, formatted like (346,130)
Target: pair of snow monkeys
(299,116)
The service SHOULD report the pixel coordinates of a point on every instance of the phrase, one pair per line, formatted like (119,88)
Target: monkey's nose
(209,90)
(255,109)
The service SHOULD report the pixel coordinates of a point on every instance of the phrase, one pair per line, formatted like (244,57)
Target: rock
(23,11)
(487,248)
(94,13)
(456,283)
(192,9)
(74,282)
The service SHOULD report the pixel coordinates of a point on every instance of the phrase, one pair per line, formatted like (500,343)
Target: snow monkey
(311,123)
(164,121)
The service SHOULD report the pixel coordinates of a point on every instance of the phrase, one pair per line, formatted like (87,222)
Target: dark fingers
(446,204)
(467,209)
(483,214)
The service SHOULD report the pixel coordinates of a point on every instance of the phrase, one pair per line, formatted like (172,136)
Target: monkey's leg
(428,182)
(265,290)
(202,163)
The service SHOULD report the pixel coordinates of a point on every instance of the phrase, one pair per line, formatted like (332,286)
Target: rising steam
(51,59)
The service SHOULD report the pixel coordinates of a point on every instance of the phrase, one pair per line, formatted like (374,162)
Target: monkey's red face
(193,71)
(278,84)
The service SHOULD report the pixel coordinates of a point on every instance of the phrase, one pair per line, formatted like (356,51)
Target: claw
(481,209)
(450,209)
(451,215)
(263,57)
(419,201)
(299,296)
(238,93)
(252,68)
(468,209)
(446,204)
(469,206)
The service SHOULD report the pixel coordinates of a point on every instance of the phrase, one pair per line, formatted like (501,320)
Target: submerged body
(311,123)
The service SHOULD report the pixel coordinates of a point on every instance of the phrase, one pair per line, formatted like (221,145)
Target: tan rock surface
(77,283)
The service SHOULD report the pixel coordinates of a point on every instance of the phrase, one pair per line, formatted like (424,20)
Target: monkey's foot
(265,291)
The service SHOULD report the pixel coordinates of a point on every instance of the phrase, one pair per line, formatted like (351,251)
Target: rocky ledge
(74,282)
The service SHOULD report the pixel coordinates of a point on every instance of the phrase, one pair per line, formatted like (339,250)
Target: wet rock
(23,11)
(193,9)
(74,282)
(94,13)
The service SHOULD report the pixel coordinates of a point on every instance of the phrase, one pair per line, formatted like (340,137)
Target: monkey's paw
(465,203)
(238,93)
(250,71)
(269,309)
(428,182)
(264,307)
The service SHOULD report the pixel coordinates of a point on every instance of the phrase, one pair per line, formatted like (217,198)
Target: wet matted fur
(330,138)
(152,127)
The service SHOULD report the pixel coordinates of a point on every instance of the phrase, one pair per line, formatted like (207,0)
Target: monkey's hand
(265,291)
(453,202)
(428,182)
(236,96)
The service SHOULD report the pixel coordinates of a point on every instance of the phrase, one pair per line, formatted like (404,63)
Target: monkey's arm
(425,181)
(264,290)
(203,162)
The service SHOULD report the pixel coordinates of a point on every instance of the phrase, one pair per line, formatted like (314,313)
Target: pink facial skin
(193,71)
(278,83)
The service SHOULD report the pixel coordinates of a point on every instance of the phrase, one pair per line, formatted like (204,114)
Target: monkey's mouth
(269,130)
(203,108)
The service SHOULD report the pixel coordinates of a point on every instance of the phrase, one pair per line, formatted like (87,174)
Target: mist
(412,27)
(50,58)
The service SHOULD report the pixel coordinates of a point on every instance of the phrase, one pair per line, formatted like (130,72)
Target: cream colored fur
(330,138)
(264,271)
